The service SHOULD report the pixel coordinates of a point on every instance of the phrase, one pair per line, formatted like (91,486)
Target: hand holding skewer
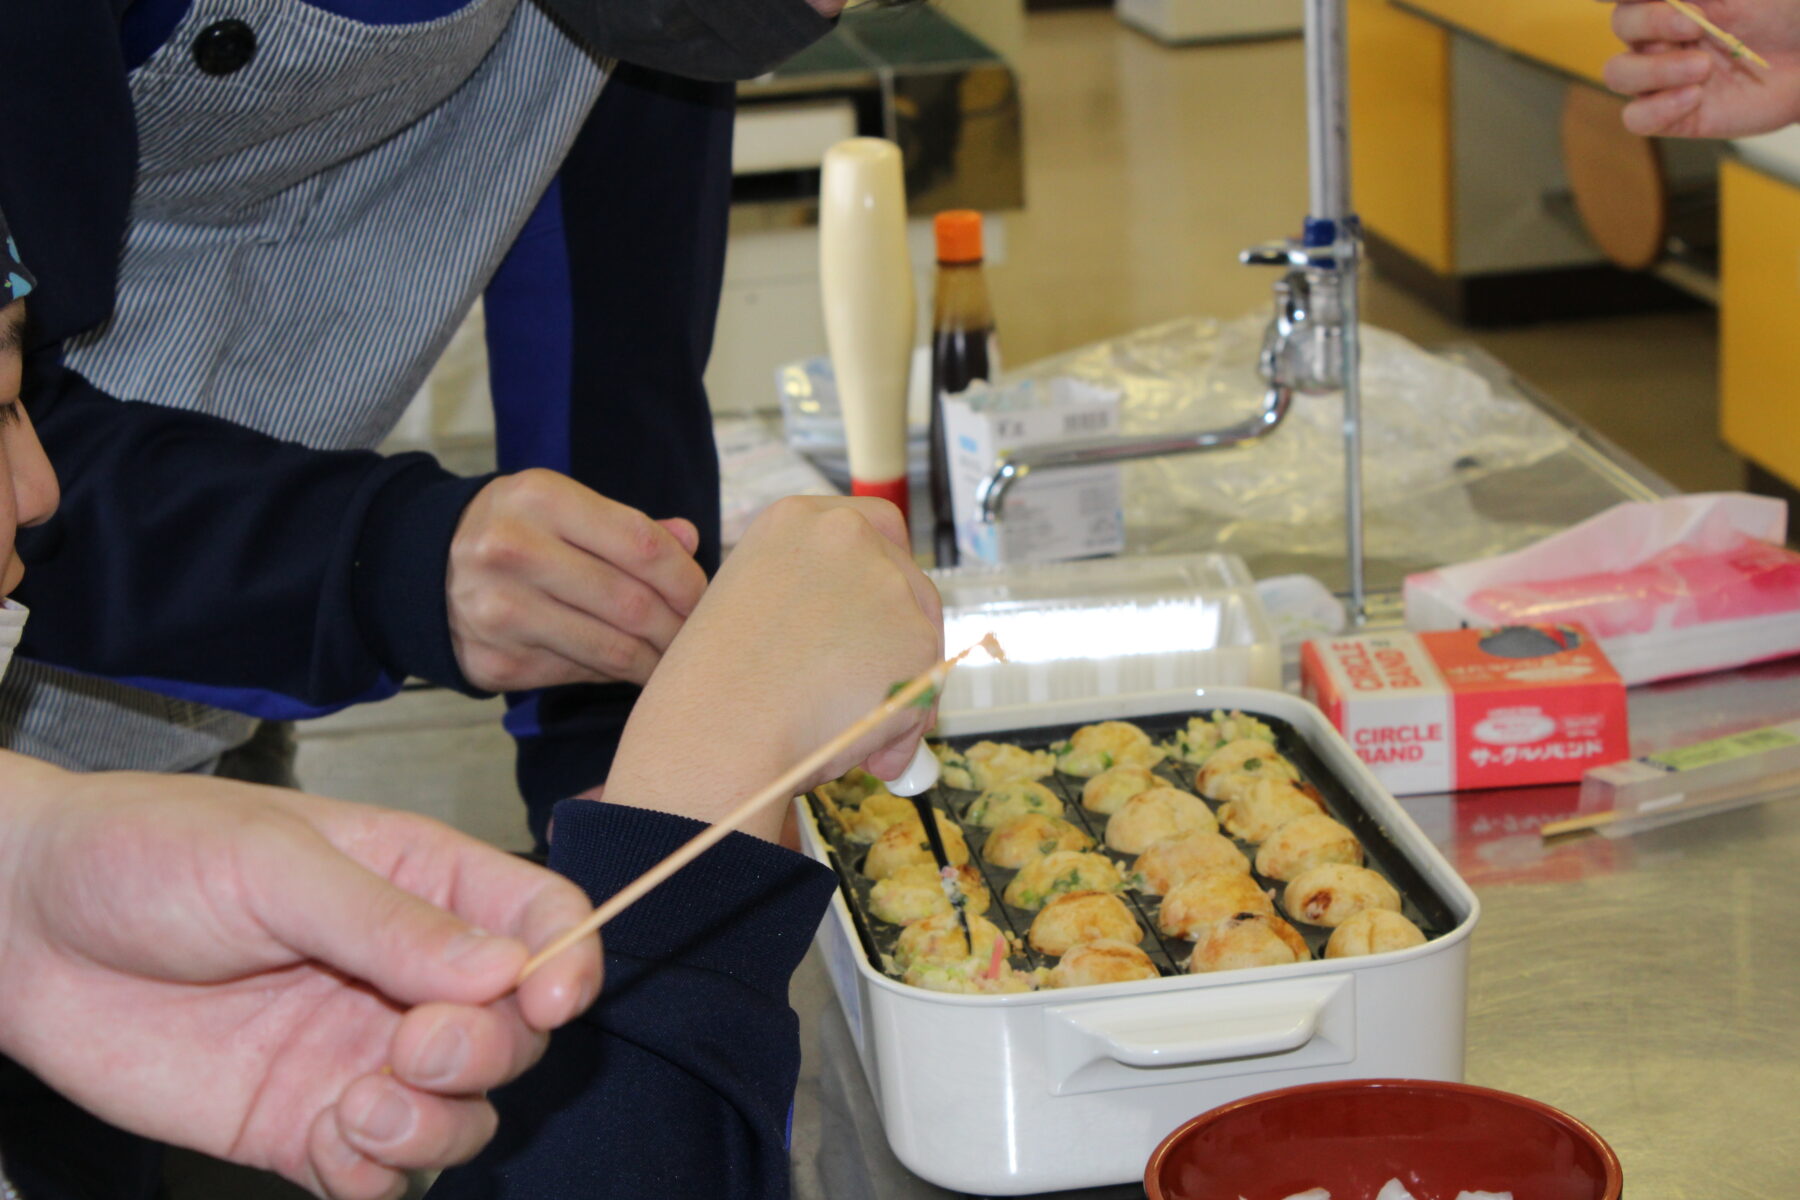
(920,692)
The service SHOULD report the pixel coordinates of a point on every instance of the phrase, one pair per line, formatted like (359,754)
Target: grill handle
(1101,1045)
(1176,1043)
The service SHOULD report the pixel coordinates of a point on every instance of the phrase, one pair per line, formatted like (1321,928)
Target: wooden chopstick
(782,789)
(1732,44)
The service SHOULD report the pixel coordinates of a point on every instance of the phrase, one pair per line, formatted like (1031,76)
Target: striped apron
(389,165)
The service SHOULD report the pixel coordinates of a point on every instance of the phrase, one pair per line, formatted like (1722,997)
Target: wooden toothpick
(1733,46)
(920,692)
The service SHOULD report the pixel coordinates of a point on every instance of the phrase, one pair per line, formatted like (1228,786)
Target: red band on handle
(893,490)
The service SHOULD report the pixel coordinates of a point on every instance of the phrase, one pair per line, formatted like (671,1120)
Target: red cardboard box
(1471,708)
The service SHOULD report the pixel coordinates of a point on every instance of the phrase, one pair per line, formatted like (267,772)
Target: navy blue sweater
(679,1082)
(199,559)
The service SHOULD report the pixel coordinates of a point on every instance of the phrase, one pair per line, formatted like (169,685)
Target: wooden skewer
(1577,824)
(781,790)
(1732,44)
(1761,786)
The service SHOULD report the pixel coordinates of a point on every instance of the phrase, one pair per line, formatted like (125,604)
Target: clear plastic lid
(1110,626)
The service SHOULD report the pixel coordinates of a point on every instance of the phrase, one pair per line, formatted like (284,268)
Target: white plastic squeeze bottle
(866,278)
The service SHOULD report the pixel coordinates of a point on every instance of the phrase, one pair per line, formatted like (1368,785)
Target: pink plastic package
(1671,587)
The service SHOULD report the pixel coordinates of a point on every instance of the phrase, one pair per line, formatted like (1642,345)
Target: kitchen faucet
(1312,344)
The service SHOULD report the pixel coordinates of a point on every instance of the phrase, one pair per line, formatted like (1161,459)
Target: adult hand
(292,983)
(1687,85)
(815,614)
(552,583)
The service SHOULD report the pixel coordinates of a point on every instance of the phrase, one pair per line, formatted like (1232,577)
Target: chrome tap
(1312,344)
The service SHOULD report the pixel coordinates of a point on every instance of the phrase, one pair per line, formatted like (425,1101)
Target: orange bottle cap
(958,236)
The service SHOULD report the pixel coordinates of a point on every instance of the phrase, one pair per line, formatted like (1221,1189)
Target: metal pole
(1328,118)
(1334,222)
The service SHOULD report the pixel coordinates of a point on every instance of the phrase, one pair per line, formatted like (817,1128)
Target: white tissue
(1393,1189)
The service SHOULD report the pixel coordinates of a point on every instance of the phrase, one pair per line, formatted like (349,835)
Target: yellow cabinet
(1400,117)
(1759,318)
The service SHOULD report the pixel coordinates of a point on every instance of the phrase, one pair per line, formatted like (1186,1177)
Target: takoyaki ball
(1149,817)
(1108,791)
(1332,893)
(990,764)
(904,844)
(1168,862)
(970,975)
(1247,940)
(855,786)
(1082,917)
(1104,960)
(1203,735)
(998,805)
(916,892)
(1235,726)
(1096,748)
(1307,841)
(1208,898)
(1373,931)
(1235,763)
(1195,743)
(1062,871)
(875,816)
(994,763)
(1024,838)
(1263,806)
(953,768)
(940,939)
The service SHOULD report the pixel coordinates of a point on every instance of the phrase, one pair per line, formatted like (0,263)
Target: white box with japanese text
(1071,512)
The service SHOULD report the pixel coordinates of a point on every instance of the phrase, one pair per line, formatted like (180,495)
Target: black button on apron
(224,47)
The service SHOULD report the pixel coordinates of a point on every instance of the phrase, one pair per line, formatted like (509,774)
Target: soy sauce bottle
(963,350)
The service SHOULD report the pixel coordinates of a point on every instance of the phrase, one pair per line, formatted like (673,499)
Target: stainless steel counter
(1649,985)
(1645,985)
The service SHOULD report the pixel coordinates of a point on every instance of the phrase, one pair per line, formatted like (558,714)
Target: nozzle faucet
(1312,344)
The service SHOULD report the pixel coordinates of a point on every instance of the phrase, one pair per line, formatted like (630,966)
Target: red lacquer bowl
(1352,1137)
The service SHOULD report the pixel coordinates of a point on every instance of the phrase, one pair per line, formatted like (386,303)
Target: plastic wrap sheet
(1433,432)
(1459,463)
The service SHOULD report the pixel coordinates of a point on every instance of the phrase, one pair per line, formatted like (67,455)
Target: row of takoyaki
(1208,895)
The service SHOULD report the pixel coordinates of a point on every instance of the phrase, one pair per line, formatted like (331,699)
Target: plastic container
(1106,627)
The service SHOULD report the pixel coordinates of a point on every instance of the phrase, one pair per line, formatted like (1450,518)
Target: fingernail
(478,953)
(385,1118)
(444,1054)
